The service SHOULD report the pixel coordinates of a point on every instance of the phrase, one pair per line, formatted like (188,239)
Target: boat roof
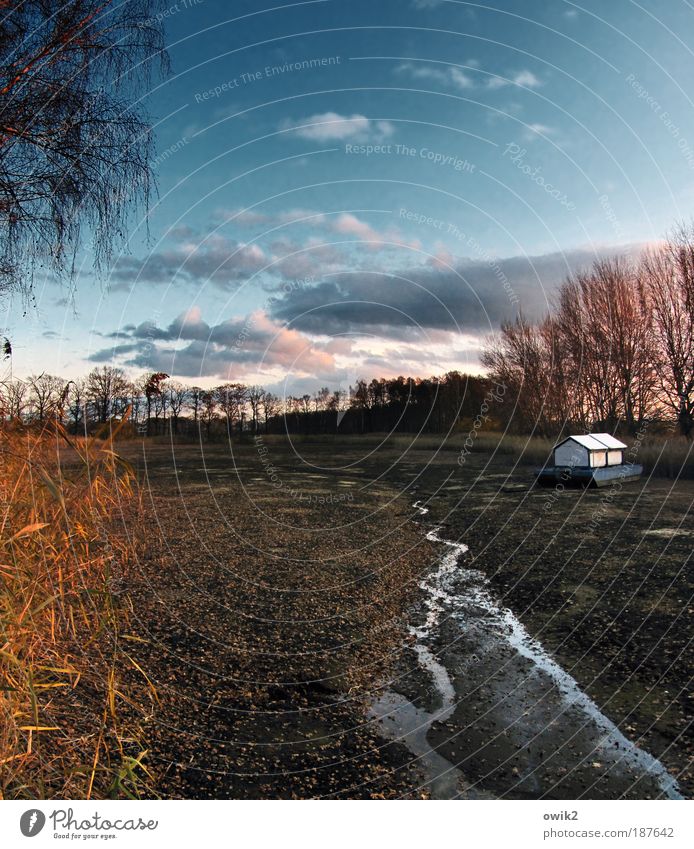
(609,440)
(594,441)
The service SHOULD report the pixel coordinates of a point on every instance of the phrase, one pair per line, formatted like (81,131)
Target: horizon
(371,192)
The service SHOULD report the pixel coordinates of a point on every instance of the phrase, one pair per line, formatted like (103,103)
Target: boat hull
(588,477)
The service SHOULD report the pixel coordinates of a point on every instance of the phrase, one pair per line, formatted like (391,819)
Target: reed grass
(661,454)
(71,709)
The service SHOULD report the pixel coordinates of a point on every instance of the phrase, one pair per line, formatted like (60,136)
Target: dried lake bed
(315,632)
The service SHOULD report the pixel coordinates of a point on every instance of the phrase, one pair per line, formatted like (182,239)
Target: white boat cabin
(590,450)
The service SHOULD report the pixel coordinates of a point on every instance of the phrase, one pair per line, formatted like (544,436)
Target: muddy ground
(280,580)
(271,604)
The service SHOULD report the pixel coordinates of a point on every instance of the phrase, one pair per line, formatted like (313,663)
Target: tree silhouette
(75,144)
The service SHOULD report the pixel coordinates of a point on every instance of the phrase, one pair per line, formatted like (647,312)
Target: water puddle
(506,625)
(668,533)
(404,721)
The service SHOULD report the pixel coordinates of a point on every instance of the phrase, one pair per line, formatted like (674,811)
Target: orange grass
(71,704)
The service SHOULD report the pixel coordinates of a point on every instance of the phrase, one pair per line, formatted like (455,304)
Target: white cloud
(350,225)
(445,76)
(532,131)
(524,78)
(527,79)
(460,79)
(331,126)
(457,78)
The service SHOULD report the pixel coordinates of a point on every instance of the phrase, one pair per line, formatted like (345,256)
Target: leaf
(39,727)
(144,675)
(52,487)
(27,530)
(67,669)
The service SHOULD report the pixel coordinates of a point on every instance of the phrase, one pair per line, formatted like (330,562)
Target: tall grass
(662,455)
(70,705)
(667,458)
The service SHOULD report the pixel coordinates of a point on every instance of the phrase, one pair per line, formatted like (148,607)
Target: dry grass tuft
(70,702)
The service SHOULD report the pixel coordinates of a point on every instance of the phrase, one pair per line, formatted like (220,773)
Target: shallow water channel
(467,644)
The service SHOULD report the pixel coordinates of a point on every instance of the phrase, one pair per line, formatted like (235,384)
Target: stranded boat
(590,459)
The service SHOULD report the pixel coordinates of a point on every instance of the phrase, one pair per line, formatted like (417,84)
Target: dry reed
(71,705)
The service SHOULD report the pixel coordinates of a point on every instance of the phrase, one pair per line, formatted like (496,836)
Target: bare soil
(275,609)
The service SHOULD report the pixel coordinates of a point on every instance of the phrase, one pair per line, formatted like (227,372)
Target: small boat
(590,459)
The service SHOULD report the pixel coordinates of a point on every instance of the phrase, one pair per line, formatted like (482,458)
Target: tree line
(615,351)
(156,405)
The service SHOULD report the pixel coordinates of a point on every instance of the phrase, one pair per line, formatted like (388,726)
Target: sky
(369,188)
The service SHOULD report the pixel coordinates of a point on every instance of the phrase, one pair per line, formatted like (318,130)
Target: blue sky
(368,188)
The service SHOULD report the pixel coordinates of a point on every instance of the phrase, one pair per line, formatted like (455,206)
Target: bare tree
(45,391)
(160,404)
(321,399)
(603,332)
(152,389)
(195,394)
(521,358)
(583,322)
(668,274)
(360,401)
(107,388)
(136,401)
(178,396)
(15,394)
(208,411)
(255,396)
(75,145)
(232,399)
(76,405)
(272,406)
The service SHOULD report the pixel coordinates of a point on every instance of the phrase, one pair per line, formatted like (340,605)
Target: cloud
(331,126)
(290,258)
(190,347)
(540,128)
(455,77)
(474,296)
(350,225)
(227,262)
(422,320)
(447,76)
(214,259)
(532,131)
(525,79)
(459,79)
(241,217)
